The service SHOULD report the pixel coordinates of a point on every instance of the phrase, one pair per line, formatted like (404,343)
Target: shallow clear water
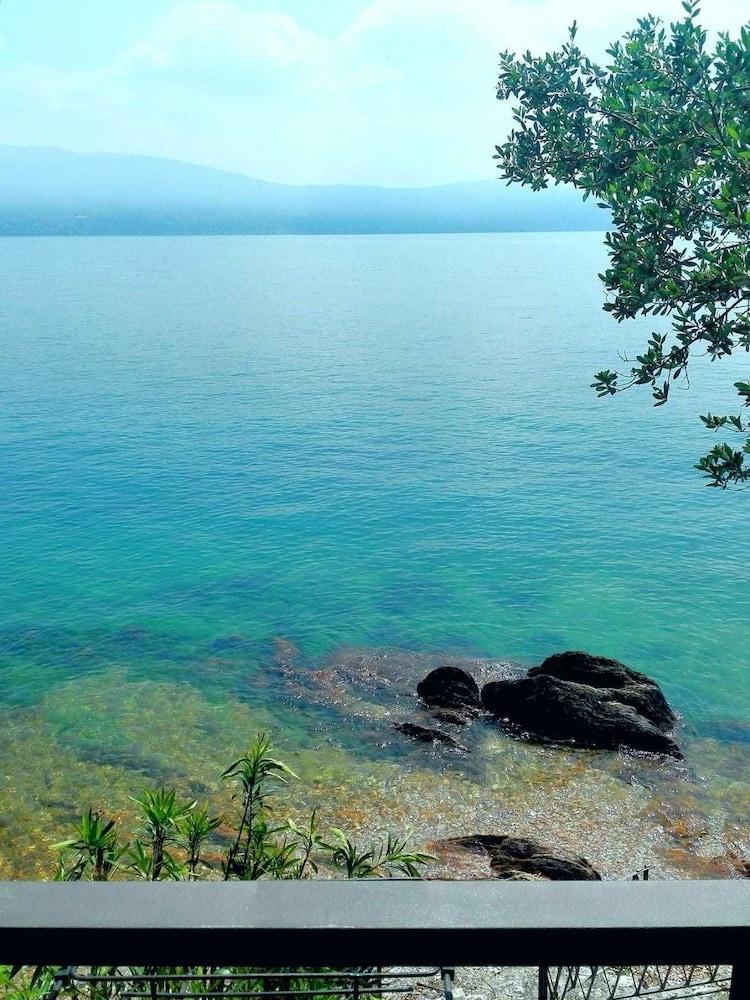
(209,443)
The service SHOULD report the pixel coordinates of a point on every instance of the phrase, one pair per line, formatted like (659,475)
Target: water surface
(211,443)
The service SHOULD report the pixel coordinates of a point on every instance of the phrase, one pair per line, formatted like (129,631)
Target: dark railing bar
(206,984)
(247,994)
(61,980)
(740,989)
(330,923)
(348,976)
(339,991)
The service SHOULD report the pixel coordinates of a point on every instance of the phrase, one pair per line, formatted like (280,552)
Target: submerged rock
(450,688)
(286,656)
(517,858)
(741,866)
(425,735)
(587,700)
(229,643)
(452,718)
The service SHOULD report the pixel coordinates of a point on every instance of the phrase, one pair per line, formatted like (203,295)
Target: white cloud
(539,24)
(403,94)
(222,27)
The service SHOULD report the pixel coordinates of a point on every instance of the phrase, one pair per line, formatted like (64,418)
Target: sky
(392,92)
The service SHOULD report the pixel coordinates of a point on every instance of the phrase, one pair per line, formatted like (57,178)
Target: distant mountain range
(53,192)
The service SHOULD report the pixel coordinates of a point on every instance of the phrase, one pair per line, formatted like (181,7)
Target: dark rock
(545,866)
(452,718)
(587,701)
(563,712)
(451,688)
(634,688)
(486,843)
(521,877)
(425,735)
(517,858)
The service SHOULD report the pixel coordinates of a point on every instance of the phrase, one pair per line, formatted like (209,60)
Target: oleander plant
(182,840)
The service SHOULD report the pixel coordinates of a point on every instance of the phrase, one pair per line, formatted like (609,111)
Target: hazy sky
(384,92)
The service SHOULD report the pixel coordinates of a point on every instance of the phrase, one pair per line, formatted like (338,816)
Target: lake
(224,454)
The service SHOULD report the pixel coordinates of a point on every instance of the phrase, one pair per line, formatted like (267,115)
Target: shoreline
(98,740)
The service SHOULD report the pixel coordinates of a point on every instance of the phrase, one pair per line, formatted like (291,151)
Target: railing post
(740,988)
(448,975)
(62,978)
(543,983)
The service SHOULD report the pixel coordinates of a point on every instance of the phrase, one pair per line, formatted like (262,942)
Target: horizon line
(302,236)
(250,177)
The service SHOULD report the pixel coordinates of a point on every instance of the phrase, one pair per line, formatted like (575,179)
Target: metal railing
(682,982)
(227,984)
(369,938)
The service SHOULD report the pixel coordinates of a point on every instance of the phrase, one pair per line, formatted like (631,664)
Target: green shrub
(174,837)
(173,844)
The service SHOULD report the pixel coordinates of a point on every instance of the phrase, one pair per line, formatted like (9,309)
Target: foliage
(96,848)
(164,819)
(194,830)
(181,840)
(177,839)
(661,138)
(257,849)
(17,983)
(375,858)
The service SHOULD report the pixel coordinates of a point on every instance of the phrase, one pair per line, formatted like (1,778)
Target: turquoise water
(384,440)
(365,441)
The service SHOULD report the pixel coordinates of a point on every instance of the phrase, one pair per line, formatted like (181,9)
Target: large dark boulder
(511,857)
(435,736)
(451,688)
(634,688)
(587,701)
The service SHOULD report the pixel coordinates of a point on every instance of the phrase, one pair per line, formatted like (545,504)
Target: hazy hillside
(52,192)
